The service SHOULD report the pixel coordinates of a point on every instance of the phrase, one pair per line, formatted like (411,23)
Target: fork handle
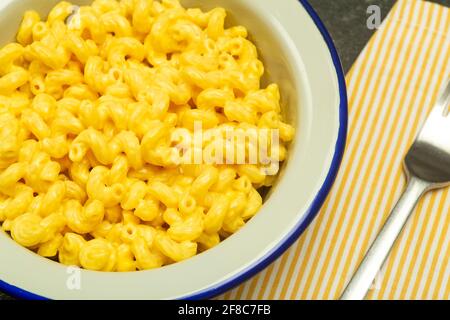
(362,280)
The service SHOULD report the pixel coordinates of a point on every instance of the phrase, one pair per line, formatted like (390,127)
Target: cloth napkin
(392,87)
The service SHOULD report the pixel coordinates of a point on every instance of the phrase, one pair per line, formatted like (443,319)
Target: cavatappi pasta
(89,99)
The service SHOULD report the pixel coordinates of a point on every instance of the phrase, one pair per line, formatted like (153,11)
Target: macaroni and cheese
(97,105)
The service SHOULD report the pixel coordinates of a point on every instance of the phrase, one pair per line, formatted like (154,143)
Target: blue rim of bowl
(310,214)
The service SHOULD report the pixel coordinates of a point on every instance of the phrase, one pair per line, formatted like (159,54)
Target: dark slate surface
(346,21)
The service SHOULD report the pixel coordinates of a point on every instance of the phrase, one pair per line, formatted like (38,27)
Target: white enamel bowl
(299,55)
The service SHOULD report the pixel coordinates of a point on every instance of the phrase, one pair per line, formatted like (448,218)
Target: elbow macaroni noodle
(133,133)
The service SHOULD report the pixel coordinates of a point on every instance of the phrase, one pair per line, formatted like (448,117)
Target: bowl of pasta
(160,149)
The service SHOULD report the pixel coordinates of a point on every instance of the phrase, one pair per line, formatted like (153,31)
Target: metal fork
(427,167)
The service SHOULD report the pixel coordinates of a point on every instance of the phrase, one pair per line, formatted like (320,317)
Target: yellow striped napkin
(391,87)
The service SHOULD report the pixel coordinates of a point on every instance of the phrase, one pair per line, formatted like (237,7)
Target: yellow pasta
(98,255)
(125,259)
(69,251)
(128,133)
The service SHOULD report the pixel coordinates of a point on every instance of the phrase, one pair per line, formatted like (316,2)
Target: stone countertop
(346,20)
